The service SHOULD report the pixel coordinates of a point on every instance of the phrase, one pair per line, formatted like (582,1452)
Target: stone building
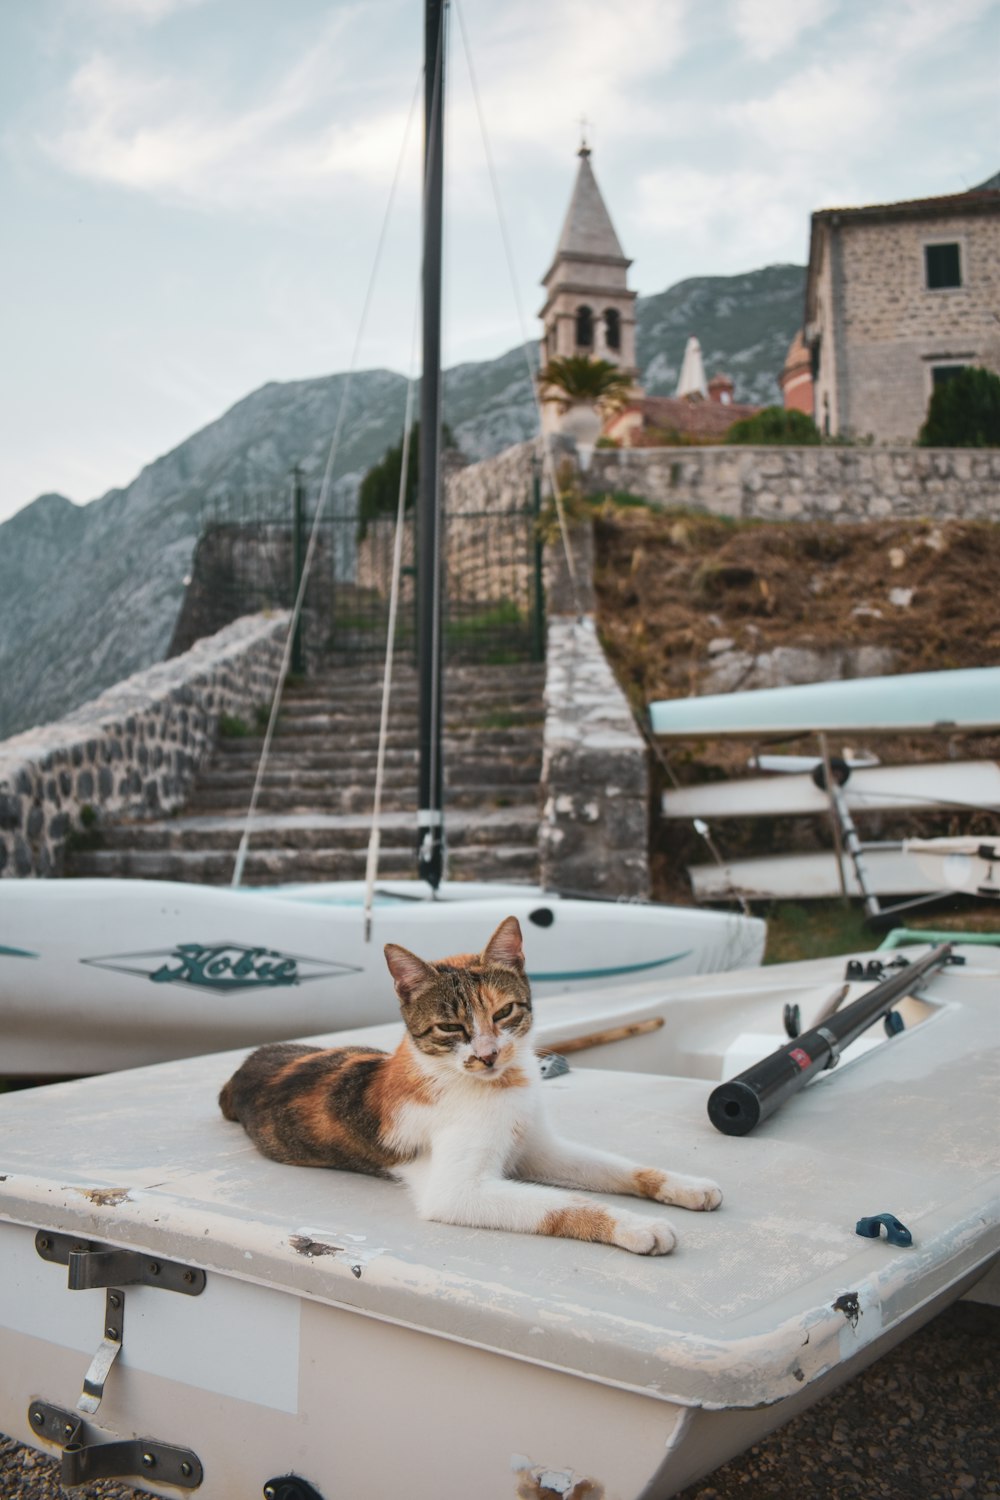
(900,297)
(589,309)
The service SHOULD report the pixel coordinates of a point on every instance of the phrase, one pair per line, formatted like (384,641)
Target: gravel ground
(921,1424)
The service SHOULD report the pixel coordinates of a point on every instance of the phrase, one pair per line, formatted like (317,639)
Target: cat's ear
(505,948)
(407,970)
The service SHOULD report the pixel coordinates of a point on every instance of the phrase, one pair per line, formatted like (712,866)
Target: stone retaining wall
(811,484)
(594,833)
(136,748)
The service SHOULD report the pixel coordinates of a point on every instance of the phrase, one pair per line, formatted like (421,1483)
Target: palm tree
(577,377)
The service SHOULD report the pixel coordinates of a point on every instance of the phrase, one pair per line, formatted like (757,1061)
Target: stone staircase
(314,810)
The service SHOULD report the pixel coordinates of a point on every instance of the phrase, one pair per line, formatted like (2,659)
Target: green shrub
(379,493)
(964,412)
(231,727)
(775,424)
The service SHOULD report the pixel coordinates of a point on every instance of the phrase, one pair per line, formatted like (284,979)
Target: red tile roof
(661,415)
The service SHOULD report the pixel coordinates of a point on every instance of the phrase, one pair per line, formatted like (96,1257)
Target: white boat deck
(744,1313)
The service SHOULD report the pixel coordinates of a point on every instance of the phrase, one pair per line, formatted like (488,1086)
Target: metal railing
(492,593)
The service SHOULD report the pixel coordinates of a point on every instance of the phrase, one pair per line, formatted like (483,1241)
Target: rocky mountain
(89,594)
(743,323)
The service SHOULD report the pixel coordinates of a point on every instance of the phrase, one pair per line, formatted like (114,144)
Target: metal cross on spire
(584,148)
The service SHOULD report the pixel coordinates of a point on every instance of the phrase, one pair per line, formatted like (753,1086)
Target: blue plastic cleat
(895,1232)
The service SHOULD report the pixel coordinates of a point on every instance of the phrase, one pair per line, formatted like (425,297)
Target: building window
(584,327)
(941,374)
(612,329)
(944,267)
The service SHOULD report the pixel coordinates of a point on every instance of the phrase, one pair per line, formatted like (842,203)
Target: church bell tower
(589,309)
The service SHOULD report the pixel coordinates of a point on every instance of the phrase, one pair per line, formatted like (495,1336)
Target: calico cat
(457,1111)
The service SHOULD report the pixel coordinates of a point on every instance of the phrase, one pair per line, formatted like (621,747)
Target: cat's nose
(488,1058)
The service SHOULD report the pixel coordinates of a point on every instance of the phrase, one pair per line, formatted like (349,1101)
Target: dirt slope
(679,593)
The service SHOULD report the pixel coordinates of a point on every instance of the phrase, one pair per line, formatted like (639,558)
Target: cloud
(924,26)
(146,10)
(769,27)
(827,107)
(168,137)
(338,114)
(732,220)
(583,59)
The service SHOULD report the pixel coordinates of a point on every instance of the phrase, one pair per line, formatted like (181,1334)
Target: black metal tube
(430,828)
(736,1106)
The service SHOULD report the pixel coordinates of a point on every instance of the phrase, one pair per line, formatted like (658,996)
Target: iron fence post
(298,662)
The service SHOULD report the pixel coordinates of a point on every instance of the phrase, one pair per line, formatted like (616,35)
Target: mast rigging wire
(508,254)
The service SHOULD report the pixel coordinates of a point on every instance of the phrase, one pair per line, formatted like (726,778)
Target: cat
(457,1111)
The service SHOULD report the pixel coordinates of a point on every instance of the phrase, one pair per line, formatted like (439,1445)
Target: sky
(201,196)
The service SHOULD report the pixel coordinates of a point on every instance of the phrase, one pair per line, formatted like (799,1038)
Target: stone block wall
(135,749)
(812,484)
(593,836)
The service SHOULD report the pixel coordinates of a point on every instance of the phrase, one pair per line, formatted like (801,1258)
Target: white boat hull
(964,786)
(892,870)
(343,1340)
(97,975)
(915,702)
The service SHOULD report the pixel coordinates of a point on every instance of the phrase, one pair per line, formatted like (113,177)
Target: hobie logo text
(222,967)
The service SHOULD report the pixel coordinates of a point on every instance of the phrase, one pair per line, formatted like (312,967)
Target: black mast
(430,827)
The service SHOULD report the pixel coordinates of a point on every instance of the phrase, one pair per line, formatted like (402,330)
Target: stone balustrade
(136,749)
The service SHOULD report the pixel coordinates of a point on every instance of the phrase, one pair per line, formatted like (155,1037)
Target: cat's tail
(227,1102)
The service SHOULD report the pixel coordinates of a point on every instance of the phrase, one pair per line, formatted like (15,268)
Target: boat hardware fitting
(792,1018)
(832,1042)
(108,1351)
(542,916)
(93,1265)
(893,1023)
(85,1459)
(553,1065)
(291,1487)
(895,1232)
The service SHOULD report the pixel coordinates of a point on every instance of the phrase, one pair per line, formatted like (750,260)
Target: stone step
(295,748)
(455,695)
(520,770)
(270,866)
(308,830)
(493,676)
(316,719)
(233,802)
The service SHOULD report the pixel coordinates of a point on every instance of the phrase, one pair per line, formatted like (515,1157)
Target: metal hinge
(94,1265)
(84,1459)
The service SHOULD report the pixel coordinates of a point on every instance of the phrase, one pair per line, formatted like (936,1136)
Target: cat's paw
(698,1193)
(644,1236)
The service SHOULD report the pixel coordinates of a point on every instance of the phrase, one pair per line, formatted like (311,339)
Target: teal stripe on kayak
(656,963)
(17,953)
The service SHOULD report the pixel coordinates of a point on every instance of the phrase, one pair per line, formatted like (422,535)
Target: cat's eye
(502,1015)
(448,1026)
